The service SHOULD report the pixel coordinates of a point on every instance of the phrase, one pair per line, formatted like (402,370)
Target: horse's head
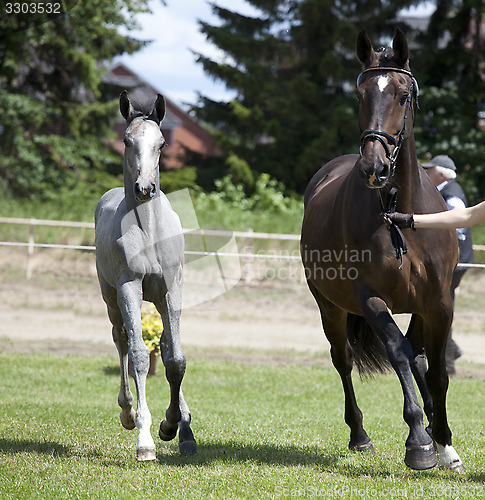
(385,90)
(143,143)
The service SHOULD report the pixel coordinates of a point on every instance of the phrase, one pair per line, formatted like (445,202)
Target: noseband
(384,137)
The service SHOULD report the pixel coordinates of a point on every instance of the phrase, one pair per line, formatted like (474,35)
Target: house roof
(119,75)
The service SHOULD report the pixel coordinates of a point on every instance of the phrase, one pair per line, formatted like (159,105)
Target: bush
(266,210)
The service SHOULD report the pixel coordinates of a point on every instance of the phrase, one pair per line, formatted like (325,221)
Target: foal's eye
(127,142)
(162,145)
(404,99)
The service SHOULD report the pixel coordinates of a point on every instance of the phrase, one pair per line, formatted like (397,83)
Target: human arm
(460,217)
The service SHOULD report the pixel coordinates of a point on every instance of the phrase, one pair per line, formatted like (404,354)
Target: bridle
(382,136)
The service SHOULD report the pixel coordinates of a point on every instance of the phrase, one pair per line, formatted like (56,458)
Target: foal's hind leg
(125,397)
(334,322)
(178,413)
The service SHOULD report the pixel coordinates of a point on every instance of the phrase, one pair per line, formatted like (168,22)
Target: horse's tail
(370,354)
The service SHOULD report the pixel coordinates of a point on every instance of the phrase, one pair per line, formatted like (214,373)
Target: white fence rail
(247,255)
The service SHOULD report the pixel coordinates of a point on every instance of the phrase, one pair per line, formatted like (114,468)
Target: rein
(384,137)
(397,238)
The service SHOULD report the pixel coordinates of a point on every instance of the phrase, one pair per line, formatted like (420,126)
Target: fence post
(247,262)
(30,250)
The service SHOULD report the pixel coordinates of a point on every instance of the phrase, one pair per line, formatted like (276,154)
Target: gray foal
(140,256)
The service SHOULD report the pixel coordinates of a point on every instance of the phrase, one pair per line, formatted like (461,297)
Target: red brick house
(178,128)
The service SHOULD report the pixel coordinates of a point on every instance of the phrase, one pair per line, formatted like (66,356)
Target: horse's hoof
(457,467)
(166,435)
(367,447)
(128,419)
(449,459)
(187,447)
(145,454)
(421,457)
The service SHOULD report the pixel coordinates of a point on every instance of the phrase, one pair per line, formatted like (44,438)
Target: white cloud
(168,62)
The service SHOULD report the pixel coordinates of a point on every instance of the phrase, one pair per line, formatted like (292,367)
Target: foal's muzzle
(144,191)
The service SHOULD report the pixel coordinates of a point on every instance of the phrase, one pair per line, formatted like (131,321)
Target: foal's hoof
(421,457)
(128,419)
(366,447)
(164,434)
(187,445)
(145,454)
(187,448)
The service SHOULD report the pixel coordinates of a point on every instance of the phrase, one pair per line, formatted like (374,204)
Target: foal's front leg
(178,413)
(129,302)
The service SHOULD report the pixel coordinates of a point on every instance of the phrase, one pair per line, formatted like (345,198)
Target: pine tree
(293,69)
(450,64)
(54,122)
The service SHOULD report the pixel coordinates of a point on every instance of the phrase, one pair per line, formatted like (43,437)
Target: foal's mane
(143,105)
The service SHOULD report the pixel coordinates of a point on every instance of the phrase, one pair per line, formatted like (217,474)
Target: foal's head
(385,90)
(143,143)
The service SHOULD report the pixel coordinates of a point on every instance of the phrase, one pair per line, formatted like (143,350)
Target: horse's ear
(400,47)
(126,108)
(365,51)
(160,107)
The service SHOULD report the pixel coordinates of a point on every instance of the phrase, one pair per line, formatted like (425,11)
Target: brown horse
(351,266)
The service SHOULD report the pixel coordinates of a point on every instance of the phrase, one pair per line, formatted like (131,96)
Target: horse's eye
(404,99)
(127,142)
(162,145)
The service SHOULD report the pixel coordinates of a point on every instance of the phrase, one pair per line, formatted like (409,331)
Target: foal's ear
(160,107)
(400,47)
(365,51)
(126,108)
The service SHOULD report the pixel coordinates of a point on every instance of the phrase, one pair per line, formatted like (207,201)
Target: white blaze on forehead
(382,82)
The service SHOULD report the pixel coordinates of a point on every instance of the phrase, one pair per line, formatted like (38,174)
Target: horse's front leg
(178,414)
(129,302)
(420,452)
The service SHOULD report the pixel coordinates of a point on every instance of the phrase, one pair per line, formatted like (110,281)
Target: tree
(450,62)
(53,122)
(293,68)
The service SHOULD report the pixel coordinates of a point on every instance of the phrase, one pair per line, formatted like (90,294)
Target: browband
(396,70)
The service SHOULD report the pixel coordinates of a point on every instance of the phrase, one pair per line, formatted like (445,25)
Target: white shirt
(454,202)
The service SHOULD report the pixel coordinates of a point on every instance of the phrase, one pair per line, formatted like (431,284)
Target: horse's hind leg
(334,322)
(419,367)
(435,338)
(178,414)
(420,452)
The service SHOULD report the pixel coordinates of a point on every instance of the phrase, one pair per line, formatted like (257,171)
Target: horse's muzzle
(375,174)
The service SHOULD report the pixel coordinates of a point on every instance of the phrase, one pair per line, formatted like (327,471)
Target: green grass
(264,430)
(223,216)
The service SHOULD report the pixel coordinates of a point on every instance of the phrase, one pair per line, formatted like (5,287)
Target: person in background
(442,171)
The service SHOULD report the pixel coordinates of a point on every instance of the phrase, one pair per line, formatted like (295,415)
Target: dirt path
(66,314)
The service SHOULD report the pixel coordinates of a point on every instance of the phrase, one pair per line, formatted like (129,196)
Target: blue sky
(168,63)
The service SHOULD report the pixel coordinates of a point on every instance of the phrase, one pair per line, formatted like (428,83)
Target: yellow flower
(152,327)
